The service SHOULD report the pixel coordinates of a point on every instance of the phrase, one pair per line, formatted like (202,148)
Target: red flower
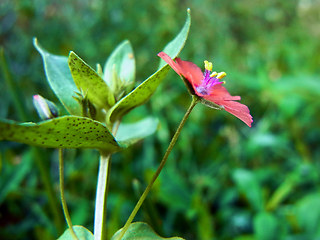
(208,86)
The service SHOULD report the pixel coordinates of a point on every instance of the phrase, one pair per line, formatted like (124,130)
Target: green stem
(63,200)
(174,139)
(100,215)
(101,197)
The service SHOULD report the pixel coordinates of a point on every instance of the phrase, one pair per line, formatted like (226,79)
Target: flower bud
(45,108)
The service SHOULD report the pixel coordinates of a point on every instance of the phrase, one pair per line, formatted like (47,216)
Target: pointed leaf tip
(89,81)
(59,78)
(144,91)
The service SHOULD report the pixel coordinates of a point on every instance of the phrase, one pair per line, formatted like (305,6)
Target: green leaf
(62,132)
(90,83)
(81,232)
(119,70)
(143,92)
(141,231)
(130,133)
(307,211)
(249,186)
(266,226)
(60,79)
(174,47)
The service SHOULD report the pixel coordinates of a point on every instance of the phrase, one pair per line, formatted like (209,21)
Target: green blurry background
(223,179)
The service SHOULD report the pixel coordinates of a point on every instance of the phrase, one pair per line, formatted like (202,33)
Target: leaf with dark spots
(90,82)
(62,132)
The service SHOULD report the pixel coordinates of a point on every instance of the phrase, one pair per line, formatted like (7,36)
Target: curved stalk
(174,139)
(63,200)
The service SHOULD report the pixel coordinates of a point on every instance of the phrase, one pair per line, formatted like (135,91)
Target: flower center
(210,79)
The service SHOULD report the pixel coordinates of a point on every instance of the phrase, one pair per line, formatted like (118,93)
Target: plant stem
(101,196)
(100,214)
(63,200)
(174,139)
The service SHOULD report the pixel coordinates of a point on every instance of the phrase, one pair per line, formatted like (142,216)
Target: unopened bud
(45,108)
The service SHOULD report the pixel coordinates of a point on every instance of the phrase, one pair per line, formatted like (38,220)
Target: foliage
(223,181)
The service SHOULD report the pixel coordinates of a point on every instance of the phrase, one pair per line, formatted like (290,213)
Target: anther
(213,74)
(208,65)
(221,75)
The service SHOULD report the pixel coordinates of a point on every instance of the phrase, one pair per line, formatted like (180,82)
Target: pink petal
(172,64)
(187,69)
(191,72)
(220,93)
(239,110)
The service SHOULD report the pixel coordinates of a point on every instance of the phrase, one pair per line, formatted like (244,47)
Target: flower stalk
(63,200)
(195,100)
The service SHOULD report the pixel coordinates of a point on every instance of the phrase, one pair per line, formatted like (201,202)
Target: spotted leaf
(62,132)
(90,82)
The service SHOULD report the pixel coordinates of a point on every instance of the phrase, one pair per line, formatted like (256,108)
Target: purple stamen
(207,83)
